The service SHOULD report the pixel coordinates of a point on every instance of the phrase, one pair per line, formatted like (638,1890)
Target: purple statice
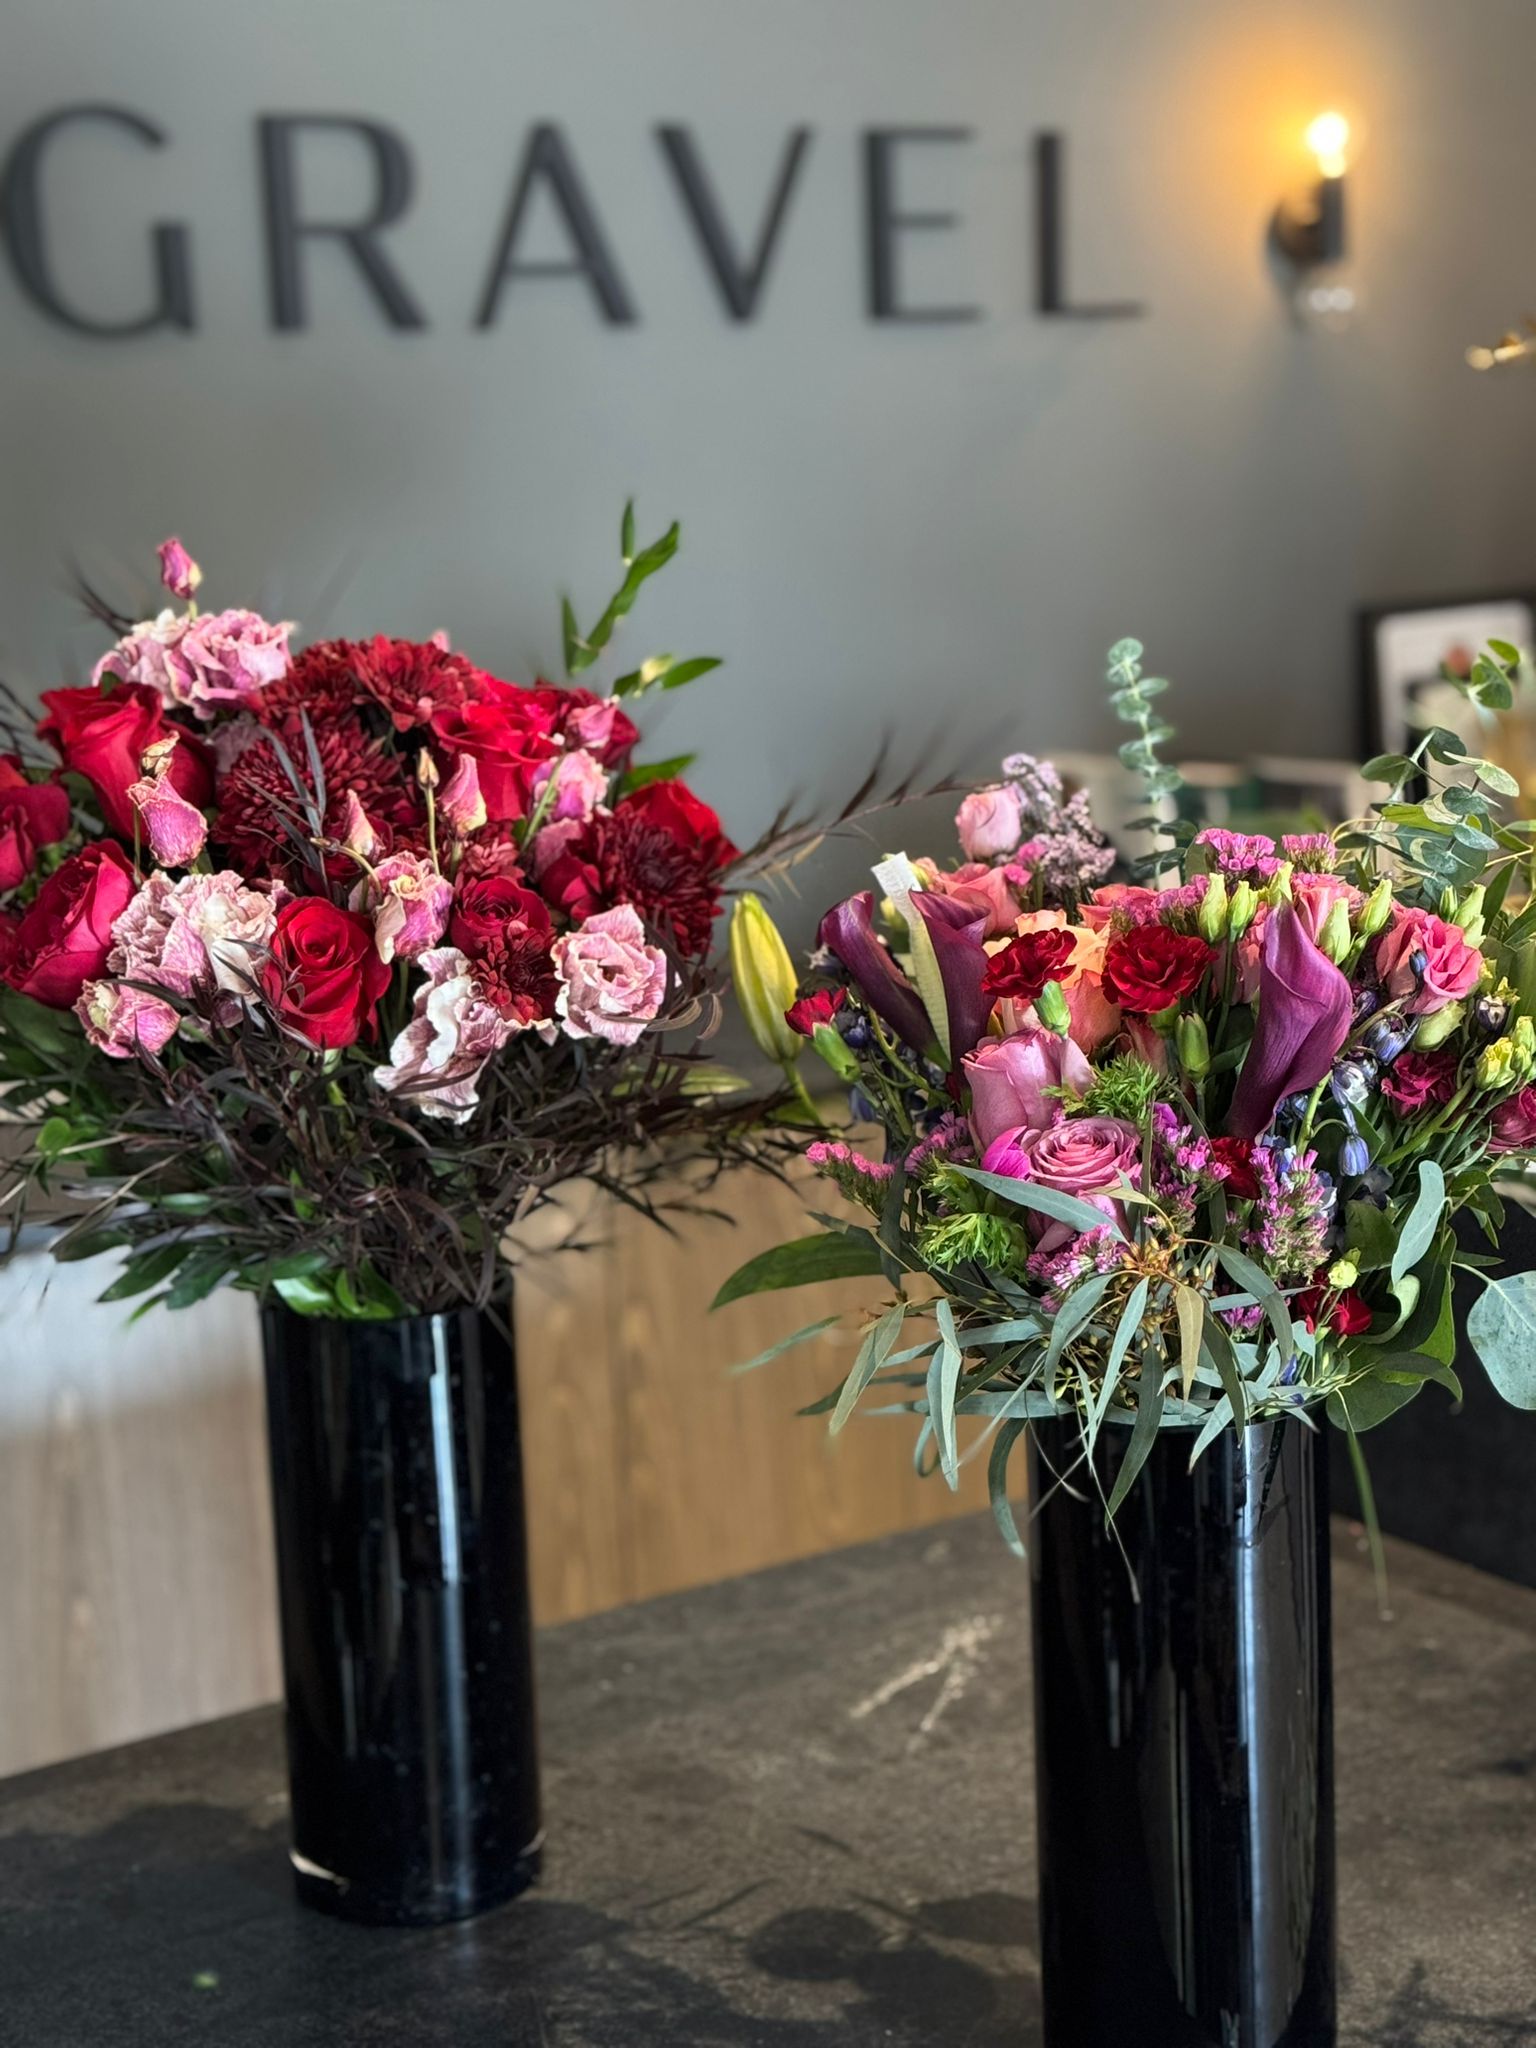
(1064,852)
(1313,853)
(1291,1218)
(1241,856)
(861,1180)
(1037,786)
(949,1139)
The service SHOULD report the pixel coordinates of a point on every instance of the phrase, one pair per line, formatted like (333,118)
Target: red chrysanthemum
(408,679)
(504,928)
(661,850)
(320,683)
(257,801)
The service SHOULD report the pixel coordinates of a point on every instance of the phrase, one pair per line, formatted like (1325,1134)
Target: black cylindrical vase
(1184,1743)
(397,1496)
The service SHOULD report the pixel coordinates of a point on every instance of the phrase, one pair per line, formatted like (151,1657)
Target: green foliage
(848,1255)
(1132,694)
(663,671)
(1502,1328)
(1125,1086)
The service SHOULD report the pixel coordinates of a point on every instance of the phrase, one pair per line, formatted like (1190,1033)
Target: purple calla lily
(848,933)
(1306,1008)
(957,934)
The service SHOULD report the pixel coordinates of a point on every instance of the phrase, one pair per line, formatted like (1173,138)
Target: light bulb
(1328,139)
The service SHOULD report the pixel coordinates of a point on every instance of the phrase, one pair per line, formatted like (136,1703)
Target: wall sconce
(1308,230)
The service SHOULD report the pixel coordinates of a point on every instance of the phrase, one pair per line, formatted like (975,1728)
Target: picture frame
(1403,648)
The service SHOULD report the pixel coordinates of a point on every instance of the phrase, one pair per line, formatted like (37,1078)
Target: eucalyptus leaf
(784,1344)
(1045,1201)
(879,1342)
(1502,1328)
(803,1262)
(1422,1221)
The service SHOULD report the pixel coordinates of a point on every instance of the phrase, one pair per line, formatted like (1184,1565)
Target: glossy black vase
(397,1496)
(1184,1745)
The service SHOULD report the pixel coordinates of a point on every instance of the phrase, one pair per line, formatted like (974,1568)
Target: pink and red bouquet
(1182,1149)
(323,965)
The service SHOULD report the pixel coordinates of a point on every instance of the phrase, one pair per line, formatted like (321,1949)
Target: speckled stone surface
(792,1811)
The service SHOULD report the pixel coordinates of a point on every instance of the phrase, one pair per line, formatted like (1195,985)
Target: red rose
(508,734)
(1022,968)
(32,814)
(820,1007)
(661,851)
(63,940)
(1421,1080)
(1233,1160)
(324,977)
(504,928)
(582,720)
(1350,1315)
(1151,966)
(102,732)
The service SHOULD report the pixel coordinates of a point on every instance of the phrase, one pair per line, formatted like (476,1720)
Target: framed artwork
(1405,649)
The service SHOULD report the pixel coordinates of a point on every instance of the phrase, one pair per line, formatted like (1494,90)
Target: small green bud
(1498,1065)
(1375,911)
(1278,889)
(1343,1272)
(764,977)
(1193,1045)
(1469,910)
(1436,1028)
(1242,907)
(827,1041)
(1212,918)
(1334,938)
(1051,1009)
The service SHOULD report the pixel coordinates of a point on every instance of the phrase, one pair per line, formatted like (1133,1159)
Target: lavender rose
(437,1059)
(202,662)
(1008,1078)
(990,822)
(205,932)
(612,984)
(1084,1156)
(581,784)
(178,572)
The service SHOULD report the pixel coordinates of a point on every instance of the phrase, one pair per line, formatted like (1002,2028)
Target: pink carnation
(612,984)
(1125,902)
(581,784)
(205,932)
(437,1059)
(410,902)
(990,822)
(1425,962)
(122,1021)
(201,662)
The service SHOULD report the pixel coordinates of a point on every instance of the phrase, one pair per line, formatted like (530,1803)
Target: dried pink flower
(410,902)
(461,801)
(437,1059)
(178,572)
(581,784)
(200,663)
(122,1021)
(176,830)
(612,984)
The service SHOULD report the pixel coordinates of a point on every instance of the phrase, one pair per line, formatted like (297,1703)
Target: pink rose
(990,822)
(1084,1156)
(215,658)
(1422,958)
(581,784)
(1514,1123)
(985,892)
(178,572)
(1008,1078)
(410,902)
(122,1021)
(612,984)
(437,1059)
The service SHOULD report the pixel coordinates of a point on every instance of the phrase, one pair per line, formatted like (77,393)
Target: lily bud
(1193,1044)
(1334,939)
(1211,920)
(764,978)
(1438,1026)
(1375,911)
(1242,907)
(1051,1009)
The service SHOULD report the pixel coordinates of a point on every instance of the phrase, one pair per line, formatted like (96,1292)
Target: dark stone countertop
(790,1811)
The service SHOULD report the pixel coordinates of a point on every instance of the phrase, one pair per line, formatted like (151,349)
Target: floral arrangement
(1183,1149)
(323,967)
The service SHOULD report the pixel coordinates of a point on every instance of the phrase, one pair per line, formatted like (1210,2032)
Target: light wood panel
(135,1539)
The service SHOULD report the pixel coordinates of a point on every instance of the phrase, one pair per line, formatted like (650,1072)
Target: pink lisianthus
(1514,1123)
(176,830)
(1008,1079)
(1426,961)
(461,801)
(178,572)
(1085,1156)
(200,663)
(436,1061)
(122,1021)
(357,833)
(1123,902)
(990,822)
(205,932)
(984,891)
(612,984)
(580,785)
(410,902)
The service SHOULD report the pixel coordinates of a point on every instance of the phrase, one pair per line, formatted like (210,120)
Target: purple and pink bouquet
(321,968)
(1184,1149)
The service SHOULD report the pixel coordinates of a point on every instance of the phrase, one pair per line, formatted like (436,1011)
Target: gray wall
(884,525)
